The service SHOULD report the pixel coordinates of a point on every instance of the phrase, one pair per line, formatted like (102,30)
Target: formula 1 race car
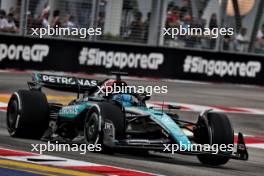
(116,121)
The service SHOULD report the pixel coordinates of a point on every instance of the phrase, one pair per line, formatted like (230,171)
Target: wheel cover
(205,134)
(12,116)
(91,129)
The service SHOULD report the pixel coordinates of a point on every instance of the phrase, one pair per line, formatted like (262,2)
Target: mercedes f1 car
(116,121)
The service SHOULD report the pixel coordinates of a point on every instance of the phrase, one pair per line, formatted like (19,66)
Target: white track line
(66,163)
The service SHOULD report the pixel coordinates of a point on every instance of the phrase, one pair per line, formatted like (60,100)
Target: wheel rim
(12,116)
(204,136)
(92,129)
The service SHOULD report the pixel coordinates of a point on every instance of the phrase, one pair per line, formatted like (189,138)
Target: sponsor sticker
(199,65)
(35,53)
(67,80)
(111,59)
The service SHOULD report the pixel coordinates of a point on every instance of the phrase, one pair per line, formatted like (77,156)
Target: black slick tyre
(27,114)
(214,129)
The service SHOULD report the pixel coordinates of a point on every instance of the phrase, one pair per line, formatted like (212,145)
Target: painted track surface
(201,94)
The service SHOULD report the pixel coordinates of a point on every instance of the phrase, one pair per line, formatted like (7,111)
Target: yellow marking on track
(28,171)
(52,98)
(4,98)
(9,163)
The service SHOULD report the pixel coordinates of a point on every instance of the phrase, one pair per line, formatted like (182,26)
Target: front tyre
(93,135)
(215,128)
(94,125)
(91,129)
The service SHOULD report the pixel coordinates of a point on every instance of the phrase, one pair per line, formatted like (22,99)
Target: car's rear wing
(63,83)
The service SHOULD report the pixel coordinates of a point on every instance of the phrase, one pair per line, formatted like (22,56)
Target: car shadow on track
(169,159)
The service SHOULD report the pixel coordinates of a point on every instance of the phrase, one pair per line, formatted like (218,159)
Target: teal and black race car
(116,121)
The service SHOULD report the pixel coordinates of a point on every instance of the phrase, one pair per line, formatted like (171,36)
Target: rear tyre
(214,129)
(27,114)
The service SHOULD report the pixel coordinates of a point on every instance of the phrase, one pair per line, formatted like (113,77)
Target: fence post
(222,15)
(23,17)
(94,17)
(256,25)
(154,26)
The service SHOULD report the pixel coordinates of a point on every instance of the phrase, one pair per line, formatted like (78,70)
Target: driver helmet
(124,99)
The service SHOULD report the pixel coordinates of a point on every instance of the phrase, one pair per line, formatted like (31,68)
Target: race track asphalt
(172,165)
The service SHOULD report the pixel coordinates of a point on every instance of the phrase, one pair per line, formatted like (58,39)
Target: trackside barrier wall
(25,53)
